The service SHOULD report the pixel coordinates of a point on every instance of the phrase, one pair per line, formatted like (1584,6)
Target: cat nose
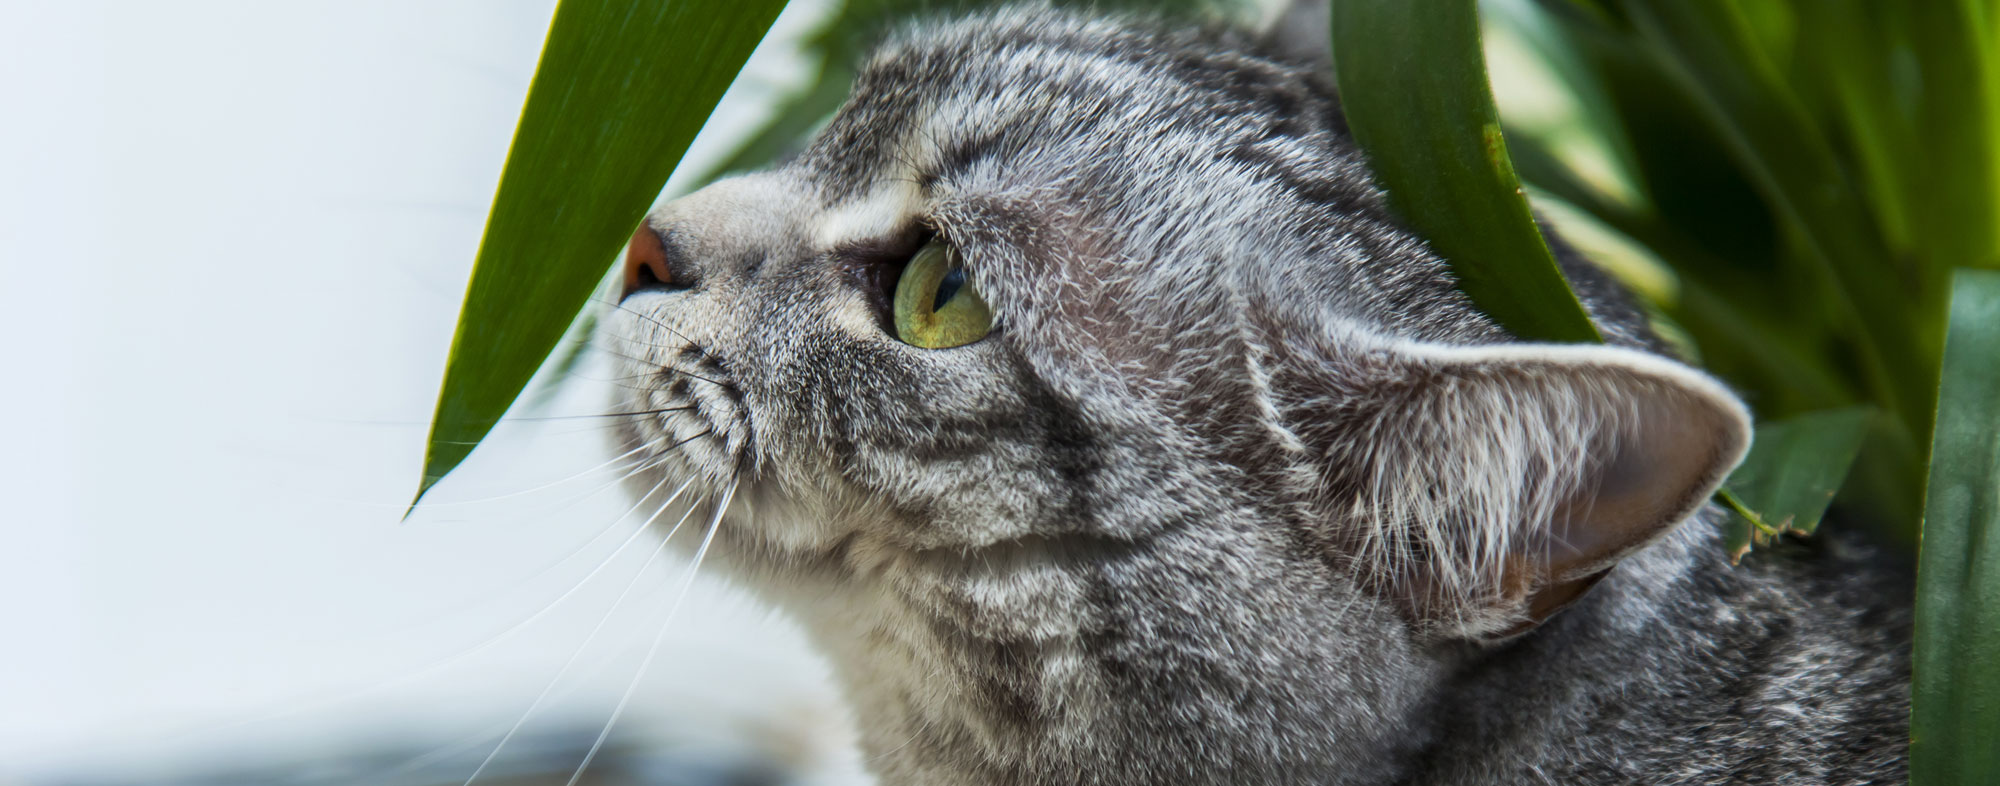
(646,263)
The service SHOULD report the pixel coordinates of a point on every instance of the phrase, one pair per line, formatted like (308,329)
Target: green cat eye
(935,305)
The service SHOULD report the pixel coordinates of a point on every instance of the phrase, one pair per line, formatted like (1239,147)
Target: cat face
(1053,281)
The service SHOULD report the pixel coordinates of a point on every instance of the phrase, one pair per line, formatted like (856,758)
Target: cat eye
(935,305)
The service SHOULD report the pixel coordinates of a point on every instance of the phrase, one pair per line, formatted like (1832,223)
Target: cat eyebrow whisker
(687,583)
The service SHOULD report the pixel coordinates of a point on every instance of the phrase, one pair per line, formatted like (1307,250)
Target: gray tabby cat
(1079,394)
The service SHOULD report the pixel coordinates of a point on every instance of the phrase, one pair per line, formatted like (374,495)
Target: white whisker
(524,492)
(587,639)
(714,523)
(335,697)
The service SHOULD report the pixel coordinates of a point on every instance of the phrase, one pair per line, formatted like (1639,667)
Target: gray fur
(1241,489)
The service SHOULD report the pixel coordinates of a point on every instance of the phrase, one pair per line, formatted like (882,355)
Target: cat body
(1239,488)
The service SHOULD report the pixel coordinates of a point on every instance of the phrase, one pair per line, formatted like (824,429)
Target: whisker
(625,382)
(662,366)
(638,468)
(587,639)
(552,484)
(334,698)
(650,318)
(496,421)
(662,410)
(714,522)
(704,433)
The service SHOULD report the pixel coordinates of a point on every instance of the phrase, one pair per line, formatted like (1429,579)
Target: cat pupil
(948,287)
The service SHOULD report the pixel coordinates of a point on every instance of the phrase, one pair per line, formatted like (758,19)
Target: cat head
(1044,278)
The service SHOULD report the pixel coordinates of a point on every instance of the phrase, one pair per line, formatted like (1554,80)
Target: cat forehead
(1039,85)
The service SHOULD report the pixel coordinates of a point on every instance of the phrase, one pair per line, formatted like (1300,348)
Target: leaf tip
(424,487)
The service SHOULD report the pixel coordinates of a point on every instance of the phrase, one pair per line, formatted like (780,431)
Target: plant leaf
(622,88)
(1413,81)
(1955,717)
(1794,468)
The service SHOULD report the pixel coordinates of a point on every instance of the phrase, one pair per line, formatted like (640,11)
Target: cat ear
(1486,488)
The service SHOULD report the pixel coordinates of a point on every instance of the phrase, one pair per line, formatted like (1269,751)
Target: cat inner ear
(1484,489)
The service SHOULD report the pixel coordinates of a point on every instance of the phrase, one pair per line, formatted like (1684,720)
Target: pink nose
(646,264)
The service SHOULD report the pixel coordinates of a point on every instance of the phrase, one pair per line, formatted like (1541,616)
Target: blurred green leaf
(1547,35)
(1955,719)
(1413,82)
(1709,45)
(1794,468)
(1957,117)
(1854,54)
(621,90)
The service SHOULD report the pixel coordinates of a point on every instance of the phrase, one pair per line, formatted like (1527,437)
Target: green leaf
(1413,81)
(622,88)
(1955,718)
(1794,468)
(1957,195)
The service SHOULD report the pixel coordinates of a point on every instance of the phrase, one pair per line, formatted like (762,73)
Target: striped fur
(1241,489)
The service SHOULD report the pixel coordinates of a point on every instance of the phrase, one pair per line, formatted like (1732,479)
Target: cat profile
(1079,394)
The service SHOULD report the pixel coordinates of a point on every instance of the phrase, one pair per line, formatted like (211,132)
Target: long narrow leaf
(1794,468)
(1959,196)
(1413,79)
(1955,720)
(622,88)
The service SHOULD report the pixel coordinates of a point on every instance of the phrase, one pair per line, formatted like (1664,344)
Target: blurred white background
(234,236)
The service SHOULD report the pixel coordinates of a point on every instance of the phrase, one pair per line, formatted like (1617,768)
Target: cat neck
(1056,661)
(1201,655)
